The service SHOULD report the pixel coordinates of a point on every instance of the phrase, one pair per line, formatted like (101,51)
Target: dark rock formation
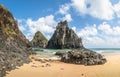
(64,38)
(60,53)
(14,47)
(39,40)
(82,56)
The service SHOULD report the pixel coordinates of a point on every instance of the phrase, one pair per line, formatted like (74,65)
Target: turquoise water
(52,51)
(49,52)
(106,50)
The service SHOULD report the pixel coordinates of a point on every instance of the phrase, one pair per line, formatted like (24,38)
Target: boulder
(60,53)
(39,40)
(83,56)
(64,38)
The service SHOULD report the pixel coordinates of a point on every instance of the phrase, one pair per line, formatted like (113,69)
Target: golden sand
(59,69)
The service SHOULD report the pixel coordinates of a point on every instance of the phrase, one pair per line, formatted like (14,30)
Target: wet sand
(59,69)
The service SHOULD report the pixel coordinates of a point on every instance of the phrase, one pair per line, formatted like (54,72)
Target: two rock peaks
(63,38)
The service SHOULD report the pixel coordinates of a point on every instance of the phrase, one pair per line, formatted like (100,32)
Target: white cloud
(19,20)
(80,6)
(22,28)
(108,30)
(88,31)
(103,35)
(93,41)
(105,28)
(67,17)
(101,9)
(64,9)
(45,24)
(117,8)
(73,28)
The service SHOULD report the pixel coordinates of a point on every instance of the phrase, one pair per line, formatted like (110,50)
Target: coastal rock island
(39,40)
(14,47)
(66,38)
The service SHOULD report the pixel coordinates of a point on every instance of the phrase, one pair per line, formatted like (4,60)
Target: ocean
(50,52)
(106,50)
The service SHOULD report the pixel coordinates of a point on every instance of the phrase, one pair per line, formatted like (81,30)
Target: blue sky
(98,22)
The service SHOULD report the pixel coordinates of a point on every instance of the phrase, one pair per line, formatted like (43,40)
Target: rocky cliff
(39,40)
(64,38)
(14,47)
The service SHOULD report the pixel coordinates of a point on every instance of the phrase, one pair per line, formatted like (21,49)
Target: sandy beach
(60,69)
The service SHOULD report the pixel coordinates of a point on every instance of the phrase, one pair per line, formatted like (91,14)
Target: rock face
(82,56)
(39,40)
(64,38)
(14,47)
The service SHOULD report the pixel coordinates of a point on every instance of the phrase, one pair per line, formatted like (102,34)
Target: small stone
(33,66)
(62,68)
(42,66)
(48,65)
(82,74)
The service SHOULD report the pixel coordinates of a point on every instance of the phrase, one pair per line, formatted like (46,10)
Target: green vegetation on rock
(14,47)
(39,40)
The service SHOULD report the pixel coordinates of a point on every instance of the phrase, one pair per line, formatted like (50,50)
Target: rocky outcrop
(82,56)
(39,40)
(14,47)
(64,38)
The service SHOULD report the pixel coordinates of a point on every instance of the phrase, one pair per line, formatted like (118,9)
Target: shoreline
(60,69)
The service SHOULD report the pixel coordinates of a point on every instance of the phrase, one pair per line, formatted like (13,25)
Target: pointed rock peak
(37,32)
(9,30)
(64,38)
(39,35)
(39,40)
(2,7)
(4,12)
(63,23)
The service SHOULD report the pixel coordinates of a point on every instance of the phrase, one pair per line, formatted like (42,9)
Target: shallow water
(106,50)
(51,52)
(48,52)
